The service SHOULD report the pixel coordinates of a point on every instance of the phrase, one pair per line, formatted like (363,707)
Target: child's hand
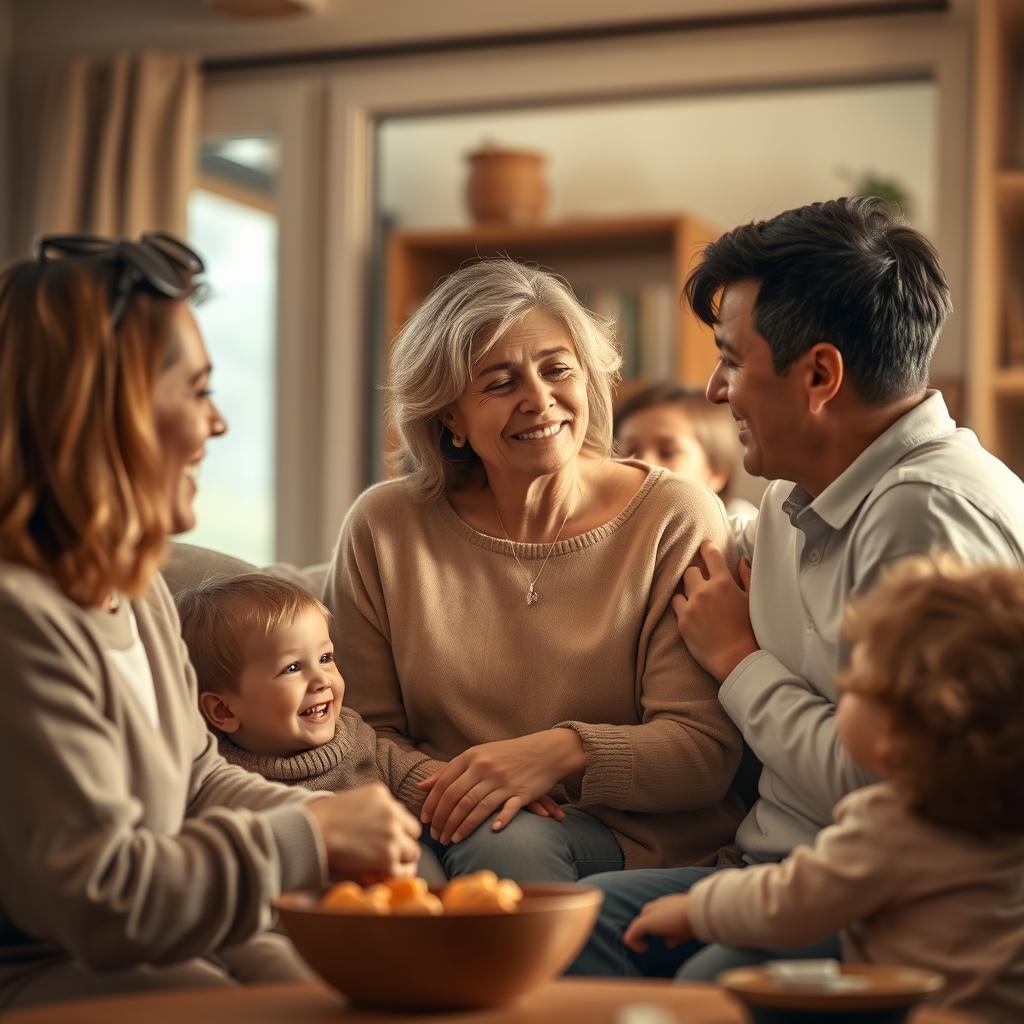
(665,917)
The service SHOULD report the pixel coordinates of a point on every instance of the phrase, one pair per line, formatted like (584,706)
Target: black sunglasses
(156,260)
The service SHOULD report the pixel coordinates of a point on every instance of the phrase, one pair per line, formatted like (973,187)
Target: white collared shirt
(922,484)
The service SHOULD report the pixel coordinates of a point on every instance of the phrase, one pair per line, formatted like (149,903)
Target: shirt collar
(837,503)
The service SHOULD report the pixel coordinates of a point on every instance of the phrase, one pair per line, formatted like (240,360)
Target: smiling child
(269,686)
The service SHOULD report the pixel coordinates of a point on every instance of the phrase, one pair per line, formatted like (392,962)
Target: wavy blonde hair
(943,647)
(460,321)
(82,498)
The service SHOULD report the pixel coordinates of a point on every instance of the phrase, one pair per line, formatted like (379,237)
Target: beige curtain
(118,145)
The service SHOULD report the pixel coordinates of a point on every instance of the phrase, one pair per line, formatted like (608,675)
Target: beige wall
(52,27)
(728,158)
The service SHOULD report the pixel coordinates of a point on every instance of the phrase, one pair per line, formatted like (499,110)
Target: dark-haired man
(826,318)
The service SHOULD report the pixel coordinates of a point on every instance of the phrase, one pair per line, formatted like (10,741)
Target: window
(233,224)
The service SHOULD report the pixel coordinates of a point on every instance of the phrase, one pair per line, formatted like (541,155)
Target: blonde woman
(132,856)
(503,609)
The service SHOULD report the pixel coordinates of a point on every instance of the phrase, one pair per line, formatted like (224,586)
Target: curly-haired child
(925,868)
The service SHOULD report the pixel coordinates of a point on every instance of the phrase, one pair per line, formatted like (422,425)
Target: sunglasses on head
(156,261)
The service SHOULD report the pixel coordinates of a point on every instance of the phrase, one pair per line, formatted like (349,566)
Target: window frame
(293,111)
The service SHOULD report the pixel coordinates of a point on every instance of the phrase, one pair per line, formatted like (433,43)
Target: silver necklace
(532,597)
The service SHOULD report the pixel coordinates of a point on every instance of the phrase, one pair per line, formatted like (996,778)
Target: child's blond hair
(220,615)
(943,652)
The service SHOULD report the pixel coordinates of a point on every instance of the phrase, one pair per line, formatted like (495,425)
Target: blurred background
(332,159)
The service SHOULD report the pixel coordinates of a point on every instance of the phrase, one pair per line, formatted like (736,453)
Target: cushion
(188,565)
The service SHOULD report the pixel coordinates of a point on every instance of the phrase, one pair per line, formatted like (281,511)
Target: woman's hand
(367,833)
(546,807)
(506,774)
(666,918)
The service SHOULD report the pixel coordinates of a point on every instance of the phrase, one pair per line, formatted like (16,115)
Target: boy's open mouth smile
(317,712)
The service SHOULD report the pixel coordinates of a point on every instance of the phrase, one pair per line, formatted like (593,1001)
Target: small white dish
(820,975)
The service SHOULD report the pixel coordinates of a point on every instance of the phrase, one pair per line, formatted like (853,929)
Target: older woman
(504,608)
(132,856)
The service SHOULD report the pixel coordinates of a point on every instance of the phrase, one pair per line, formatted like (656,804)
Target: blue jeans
(534,849)
(625,893)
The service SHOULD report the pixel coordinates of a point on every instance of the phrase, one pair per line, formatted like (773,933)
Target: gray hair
(461,320)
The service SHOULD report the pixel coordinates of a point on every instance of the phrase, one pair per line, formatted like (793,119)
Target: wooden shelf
(1009,383)
(996,390)
(660,247)
(1010,193)
(630,232)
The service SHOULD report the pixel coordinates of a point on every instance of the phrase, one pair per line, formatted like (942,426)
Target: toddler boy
(268,685)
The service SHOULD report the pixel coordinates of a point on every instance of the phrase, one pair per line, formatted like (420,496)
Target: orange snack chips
(411,896)
(481,892)
(353,898)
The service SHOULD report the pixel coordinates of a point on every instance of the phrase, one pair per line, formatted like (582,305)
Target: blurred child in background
(676,427)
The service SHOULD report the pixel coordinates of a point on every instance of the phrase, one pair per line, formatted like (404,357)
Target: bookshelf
(996,352)
(631,268)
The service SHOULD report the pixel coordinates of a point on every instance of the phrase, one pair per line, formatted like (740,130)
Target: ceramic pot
(506,186)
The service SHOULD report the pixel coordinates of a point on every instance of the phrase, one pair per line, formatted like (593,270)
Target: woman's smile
(541,433)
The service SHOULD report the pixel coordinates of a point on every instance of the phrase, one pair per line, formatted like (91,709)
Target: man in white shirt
(826,318)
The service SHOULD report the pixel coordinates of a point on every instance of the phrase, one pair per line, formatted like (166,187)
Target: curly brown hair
(942,650)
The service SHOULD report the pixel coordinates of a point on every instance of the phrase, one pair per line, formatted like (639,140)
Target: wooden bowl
(887,996)
(452,961)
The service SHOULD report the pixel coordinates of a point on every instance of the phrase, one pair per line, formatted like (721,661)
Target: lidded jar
(506,185)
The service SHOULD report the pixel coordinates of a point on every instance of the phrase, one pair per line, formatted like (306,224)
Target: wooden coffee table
(570,1001)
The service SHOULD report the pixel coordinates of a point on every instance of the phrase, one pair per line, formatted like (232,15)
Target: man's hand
(714,614)
(367,833)
(503,776)
(666,918)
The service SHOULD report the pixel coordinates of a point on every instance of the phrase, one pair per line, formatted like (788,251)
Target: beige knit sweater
(440,652)
(355,756)
(122,844)
(902,890)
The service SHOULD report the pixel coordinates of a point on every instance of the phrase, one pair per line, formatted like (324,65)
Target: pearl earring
(457,441)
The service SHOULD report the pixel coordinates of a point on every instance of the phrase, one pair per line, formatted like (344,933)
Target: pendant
(532,597)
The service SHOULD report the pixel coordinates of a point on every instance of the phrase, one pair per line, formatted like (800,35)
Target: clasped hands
(713,614)
(504,776)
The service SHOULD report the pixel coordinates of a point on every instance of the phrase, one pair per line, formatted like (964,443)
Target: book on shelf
(646,327)
(658,330)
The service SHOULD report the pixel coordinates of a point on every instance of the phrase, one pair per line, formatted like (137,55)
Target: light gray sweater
(122,844)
